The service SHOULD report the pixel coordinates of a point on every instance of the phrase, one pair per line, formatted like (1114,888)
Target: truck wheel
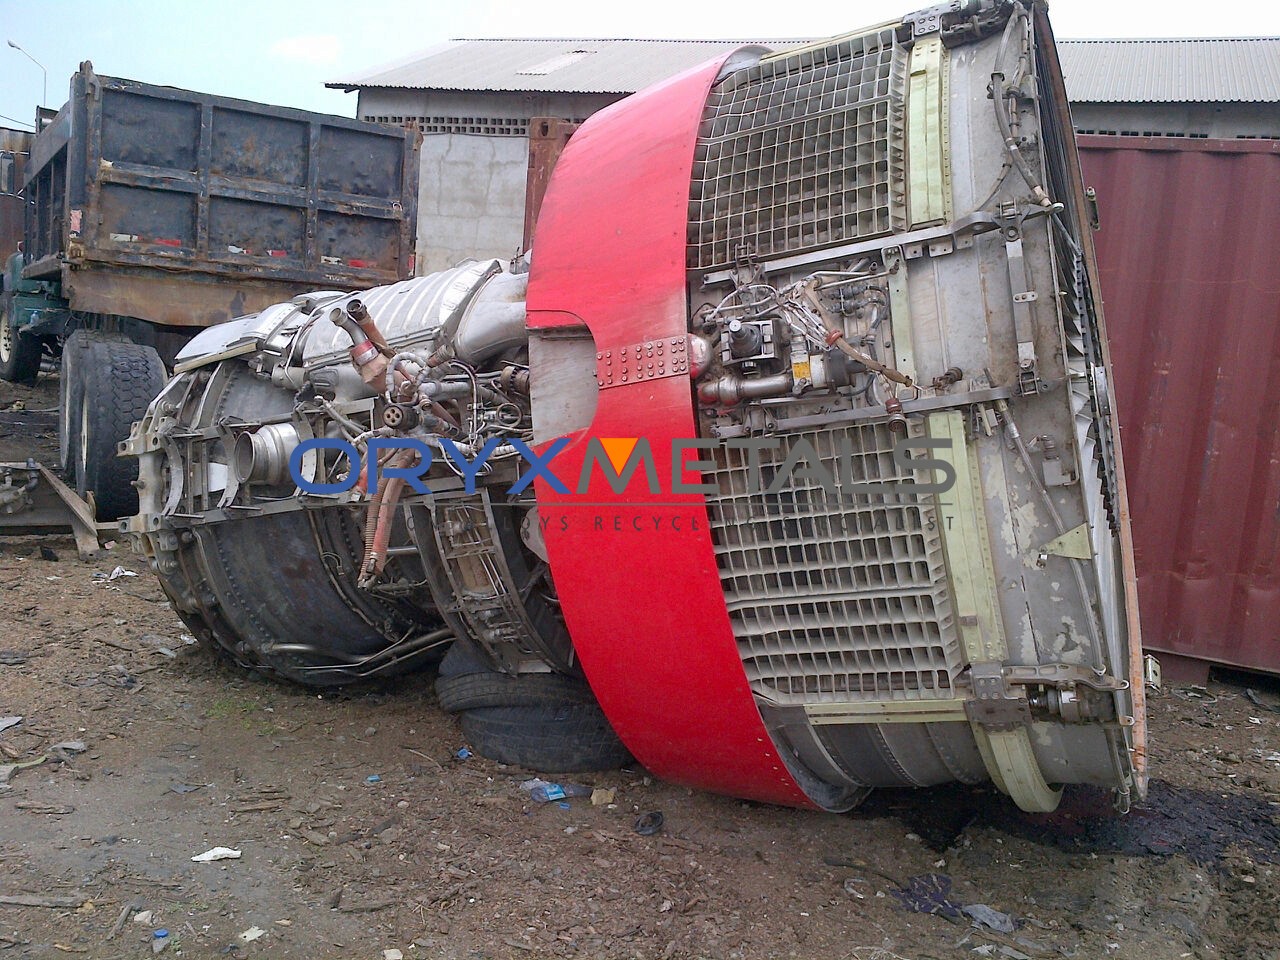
(570,738)
(71,393)
(19,354)
(120,379)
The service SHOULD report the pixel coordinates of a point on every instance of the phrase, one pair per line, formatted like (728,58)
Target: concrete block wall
(474,164)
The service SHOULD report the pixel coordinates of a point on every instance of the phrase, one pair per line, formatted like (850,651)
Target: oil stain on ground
(1199,824)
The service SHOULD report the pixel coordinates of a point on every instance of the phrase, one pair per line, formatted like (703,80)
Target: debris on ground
(217,853)
(67,749)
(7,770)
(32,900)
(542,791)
(928,893)
(994,919)
(7,722)
(115,574)
(648,824)
(1256,699)
(252,934)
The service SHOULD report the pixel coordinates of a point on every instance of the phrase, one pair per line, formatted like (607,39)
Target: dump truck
(151,213)
(784,463)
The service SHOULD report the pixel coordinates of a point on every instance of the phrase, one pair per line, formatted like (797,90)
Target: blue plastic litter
(463,754)
(373,778)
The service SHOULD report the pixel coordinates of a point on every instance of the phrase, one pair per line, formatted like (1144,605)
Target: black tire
(120,380)
(471,691)
(19,353)
(570,738)
(71,393)
(464,657)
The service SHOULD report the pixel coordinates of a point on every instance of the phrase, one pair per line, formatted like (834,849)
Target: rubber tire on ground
(470,691)
(464,657)
(19,354)
(71,393)
(120,378)
(467,680)
(569,738)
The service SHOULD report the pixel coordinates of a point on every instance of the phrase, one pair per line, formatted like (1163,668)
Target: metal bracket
(994,706)
(929,20)
(1151,672)
(648,360)
(1061,675)
(1024,299)
(1074,544)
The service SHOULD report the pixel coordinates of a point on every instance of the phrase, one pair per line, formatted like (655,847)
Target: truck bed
(146,200)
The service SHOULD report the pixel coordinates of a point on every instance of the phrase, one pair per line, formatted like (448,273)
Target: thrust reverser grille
(833,596)
(800,152)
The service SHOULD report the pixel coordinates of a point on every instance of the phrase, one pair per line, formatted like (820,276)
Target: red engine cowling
(636,573)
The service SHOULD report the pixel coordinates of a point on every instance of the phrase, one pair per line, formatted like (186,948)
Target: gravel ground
(362,831)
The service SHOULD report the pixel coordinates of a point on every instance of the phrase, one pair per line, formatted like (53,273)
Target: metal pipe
(730,389)
(357,311)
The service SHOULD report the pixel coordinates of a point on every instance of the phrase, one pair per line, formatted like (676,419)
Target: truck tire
(119,380)
(71,393)
(570,738)
(19,354)
(479,690)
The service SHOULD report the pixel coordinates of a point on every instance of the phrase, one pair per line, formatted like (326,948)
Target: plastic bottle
(546,792)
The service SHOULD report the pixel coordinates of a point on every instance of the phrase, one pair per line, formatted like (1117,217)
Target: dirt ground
(362,830)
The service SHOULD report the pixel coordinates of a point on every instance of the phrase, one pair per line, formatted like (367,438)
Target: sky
(283,51)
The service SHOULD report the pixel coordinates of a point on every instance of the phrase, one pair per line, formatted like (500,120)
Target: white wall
(474,164)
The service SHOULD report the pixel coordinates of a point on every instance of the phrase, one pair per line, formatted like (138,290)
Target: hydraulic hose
(999,93)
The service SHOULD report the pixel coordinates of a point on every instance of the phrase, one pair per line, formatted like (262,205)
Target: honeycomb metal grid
(795,153)
(833,597)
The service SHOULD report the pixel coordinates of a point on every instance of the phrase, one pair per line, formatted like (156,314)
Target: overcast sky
(283,51)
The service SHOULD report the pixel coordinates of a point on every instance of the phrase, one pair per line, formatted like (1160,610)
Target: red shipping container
(1189,257)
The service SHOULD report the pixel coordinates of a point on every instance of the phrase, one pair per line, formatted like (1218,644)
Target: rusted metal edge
(55,508)
(1128,567)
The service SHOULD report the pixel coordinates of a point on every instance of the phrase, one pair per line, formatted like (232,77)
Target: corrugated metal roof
(1194,70)
(1239,69)
(548,66)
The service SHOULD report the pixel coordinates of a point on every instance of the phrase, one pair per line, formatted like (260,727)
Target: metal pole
(44,95)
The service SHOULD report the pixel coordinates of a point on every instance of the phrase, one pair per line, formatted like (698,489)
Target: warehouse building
(473,101)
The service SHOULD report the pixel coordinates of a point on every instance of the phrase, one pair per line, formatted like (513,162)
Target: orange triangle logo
(618,450)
